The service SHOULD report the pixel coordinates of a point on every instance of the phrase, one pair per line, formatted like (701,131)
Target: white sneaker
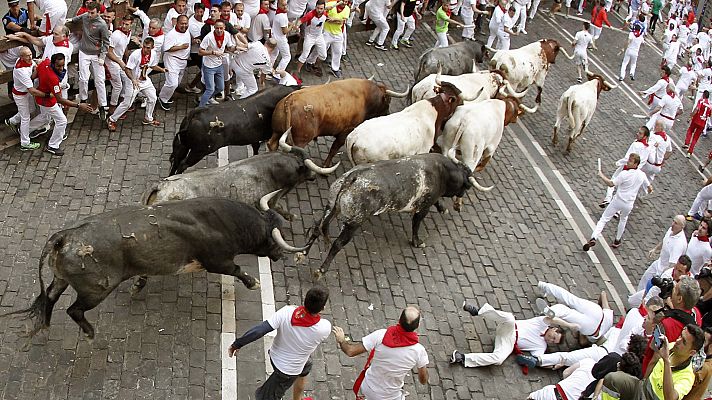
(213,101)
(144,101)
(523,31)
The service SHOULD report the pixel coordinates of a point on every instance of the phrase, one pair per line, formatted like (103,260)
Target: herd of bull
(403,162)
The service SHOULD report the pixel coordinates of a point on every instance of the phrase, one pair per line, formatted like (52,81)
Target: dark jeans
(653,21)
(278,383)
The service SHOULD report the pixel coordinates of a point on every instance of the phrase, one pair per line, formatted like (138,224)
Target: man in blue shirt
(16,18)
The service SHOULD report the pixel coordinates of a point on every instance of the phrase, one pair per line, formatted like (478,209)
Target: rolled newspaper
(599,165)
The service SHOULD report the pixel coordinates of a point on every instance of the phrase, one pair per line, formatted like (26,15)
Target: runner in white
(688,75)
(656,92)
(639,146)
(496,23)
(53,12)
(179,8)
(673,245)
(244,64)
(698,248)
(581,41)
(576,378)
(313,35)
(118,42)
(377,11)
(22,92)
(176,52)
(667,110)
(635,40)
(280,28)
(520,14)
(660,150)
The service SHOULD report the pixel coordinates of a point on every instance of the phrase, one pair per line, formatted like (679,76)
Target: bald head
(659,126)
(410,319)
(678,223)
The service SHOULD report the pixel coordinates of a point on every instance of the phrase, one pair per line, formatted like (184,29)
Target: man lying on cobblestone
(532,335)
(299,331)
(393,352)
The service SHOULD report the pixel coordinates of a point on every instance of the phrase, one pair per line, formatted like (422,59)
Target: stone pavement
(165,342)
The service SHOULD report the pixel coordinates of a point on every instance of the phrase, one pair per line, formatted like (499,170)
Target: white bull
(476,129)
(528,65)
(493,83)
(578,103)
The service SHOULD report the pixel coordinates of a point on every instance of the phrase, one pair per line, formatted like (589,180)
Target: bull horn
(491,49)
(477,186)
(513,92)
(320,170)
(570,57)
(437,77)
(370,78)
(277,236)
(610,85)
(474,65)
(328,81)
(283,141)
(529,110)
(465,98)
(452,153)
(396,94)
(264,200)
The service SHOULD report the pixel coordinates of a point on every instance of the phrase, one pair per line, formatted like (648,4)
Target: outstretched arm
(250,336)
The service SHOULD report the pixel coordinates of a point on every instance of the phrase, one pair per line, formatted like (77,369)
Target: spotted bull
(99,252)
(237,123)
(411,184)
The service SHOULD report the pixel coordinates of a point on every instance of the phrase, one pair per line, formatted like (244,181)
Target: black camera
(705,272)
(664,284)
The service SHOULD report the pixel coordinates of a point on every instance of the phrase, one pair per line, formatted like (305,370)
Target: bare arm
(349,348)
(26,38)
(605,180)
(423,375)
(31,12)
(560,322)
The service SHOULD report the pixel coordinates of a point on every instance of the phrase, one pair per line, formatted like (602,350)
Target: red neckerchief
(396,336)
(449,13)
(263,11)
(280,11)
(62,43)
(644,141)
(500,7)
(145,58)
(661,134)
(340,9)
(626,168)
(22,64)
(666,79)
(210,21)
(159,33)
(638,33)
(302,317)
(703,238)
(224,18)
(219,40)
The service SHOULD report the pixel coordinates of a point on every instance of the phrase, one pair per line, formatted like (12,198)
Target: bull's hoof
(318,274)
(479,168)
(418,243)
(299,257)
(255,285)
(554,142)
(457,204)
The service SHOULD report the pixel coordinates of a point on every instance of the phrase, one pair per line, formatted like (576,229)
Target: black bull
(99,252)
(412,184)
(456,59)
(243,122)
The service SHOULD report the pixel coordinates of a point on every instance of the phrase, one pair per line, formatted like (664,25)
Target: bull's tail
(41,309)
(572,122)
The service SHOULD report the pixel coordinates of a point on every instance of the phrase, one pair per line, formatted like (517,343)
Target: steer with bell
(242,122)
(578,103)
(99,252)
(405,133)
(412,185)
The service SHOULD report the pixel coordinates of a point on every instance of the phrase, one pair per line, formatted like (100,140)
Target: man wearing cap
(55,14)
(393,353)
(299,331)
(16,18)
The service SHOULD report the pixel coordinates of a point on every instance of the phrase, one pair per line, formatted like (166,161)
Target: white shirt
(687,76)
(174,38)
(119,41)
(315,27)
(280,21)
(507,22)
(704,40)
(628,183)
(572,386)
(638,148)
(659,147)
(704,75)
(134,64)
(293,345)
(699,252)
(252,7)
(51,49)
(194,27)
(168,21)
(51,6)
(22,77)
(672,248)
(259,25)
(256,57)
(670,105)
(209,44)
(584,321)
(296,8)
(671,53)
(243,22)
(658,89)
(632,325)
(389,366)
(529,335)
(582,39)
(635,42)
(497,19)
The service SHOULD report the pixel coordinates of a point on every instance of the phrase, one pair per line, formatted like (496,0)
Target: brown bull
(334,109)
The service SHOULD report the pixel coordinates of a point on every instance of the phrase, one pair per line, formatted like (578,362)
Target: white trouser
(585,313)
(468,18)
(617,204)
(311,42)
(595,31)
(632,58)
(548,392)
(282,50)
(334,42)
(520,11)
(86,61)
(408,25)
(611,189)
(442,39)
(699,206)
(681,87)
(378,17)
(55,114)
(119,82)
(504,338)
(569,358)
(369,394)
(667,122)
(650,172)
(503,42)
(51,21)
(148,91)
(176,68)
(534,8)
(247,78)
(493,34)
(25,105)
(654,269)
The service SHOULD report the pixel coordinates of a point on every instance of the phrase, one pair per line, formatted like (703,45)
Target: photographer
(704,279)
(671,376)
(680,312)
(662,285)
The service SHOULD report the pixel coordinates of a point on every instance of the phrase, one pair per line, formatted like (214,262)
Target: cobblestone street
(165,342)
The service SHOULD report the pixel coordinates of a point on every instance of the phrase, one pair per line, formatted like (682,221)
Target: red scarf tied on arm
(302,317)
